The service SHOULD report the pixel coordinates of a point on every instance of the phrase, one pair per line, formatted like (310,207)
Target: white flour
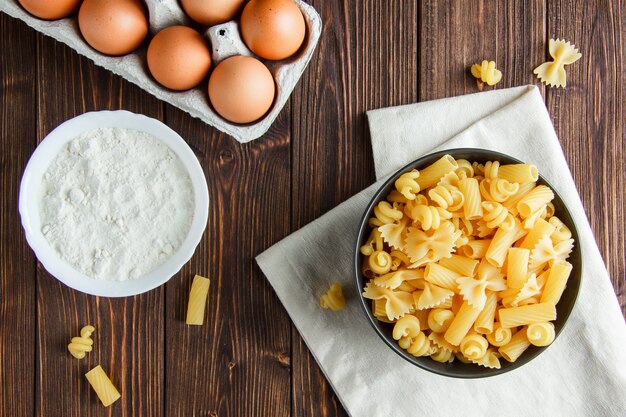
(116,203)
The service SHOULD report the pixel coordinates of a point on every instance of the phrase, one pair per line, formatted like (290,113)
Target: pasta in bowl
(468,263)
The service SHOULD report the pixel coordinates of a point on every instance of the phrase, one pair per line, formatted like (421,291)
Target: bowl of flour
(113,203)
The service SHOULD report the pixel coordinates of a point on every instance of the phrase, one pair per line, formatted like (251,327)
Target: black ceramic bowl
(458,369)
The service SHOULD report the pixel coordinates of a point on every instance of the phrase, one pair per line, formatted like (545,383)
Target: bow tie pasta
(467,261)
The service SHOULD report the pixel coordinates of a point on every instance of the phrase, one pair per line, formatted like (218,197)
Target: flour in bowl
(116,203)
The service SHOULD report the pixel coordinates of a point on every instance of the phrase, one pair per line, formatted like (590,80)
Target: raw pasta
(552,73)
(467,261)
(486,72)
(534,313)
(516,346)
(540,334)
(333,299)
(103,386)
(197,300)
(82,344)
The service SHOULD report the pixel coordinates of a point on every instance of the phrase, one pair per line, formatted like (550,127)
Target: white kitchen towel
(583,373)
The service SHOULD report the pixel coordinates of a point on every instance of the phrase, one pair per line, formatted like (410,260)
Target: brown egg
(212,12)
(113,27)
(179,58)
(50,9)
(241,89)
(273,29)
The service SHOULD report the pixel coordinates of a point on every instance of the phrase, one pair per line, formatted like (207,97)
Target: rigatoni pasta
(103,386)
(467,261)
(197,300)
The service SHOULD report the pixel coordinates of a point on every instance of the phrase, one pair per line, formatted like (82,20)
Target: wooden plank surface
(247,360)
(589,118)
(128,341)
(237,363)
(18,136)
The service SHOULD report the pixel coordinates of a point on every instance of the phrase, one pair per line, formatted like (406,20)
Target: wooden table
(248,359)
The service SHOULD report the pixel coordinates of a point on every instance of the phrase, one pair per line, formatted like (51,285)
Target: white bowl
(41,159)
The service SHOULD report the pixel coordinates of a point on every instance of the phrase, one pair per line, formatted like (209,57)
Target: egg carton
(224,41)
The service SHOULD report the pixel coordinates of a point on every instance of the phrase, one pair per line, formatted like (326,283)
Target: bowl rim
(433,366)
(47,151)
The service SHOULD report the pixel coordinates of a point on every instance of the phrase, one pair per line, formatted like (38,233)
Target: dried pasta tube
(103,386)
(514,349)
(521,173)
(197,300)
(484,321)
(517,267)
(462,265)
(534,200)
(500,244)
(431,175)
(471,205)
(533,313)
(555,284)
(461,324)
(441,276)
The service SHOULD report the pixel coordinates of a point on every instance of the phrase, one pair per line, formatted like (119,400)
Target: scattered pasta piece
(552,73)
(197,300)
(333,299)
(103,386)
(486,72)
(82,344)
(467,262)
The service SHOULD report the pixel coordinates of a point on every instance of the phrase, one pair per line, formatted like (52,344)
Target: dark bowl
(458,369)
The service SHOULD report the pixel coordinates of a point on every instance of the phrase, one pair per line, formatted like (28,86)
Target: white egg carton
(224,40)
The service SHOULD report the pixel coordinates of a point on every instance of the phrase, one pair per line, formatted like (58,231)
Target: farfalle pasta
(553,73)
(467,261)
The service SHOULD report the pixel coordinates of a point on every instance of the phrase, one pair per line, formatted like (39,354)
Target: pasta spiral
(447,197)
(465,168)
(491,169)
(494,213)
(380,262)
(82,344)
(540,334)
(386,213)
(474,346)
(439,319)
(429,217)
(501,189)
(407,326)
(420,346)
(406,184)
(500,336)
(443,355)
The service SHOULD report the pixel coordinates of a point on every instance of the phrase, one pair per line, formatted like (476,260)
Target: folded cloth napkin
(583,373)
